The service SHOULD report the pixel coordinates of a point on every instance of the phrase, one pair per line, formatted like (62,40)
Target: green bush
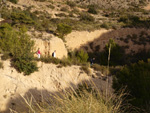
(50,60)
(1,65)
(61,15)
(14,1)
(71,3)
(136,79)
(21,18)
(24,65)
(19,46)
(117,54)
(92,9)
(41,0)
(5,56)
(63,29)
(82,56)
(65,9)
(105,25)
(86,17)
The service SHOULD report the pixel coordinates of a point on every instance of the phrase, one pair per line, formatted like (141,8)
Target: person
(38,53)
(54,54)
(92,61)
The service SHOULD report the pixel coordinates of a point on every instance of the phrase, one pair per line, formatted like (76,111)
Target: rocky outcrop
(47,47)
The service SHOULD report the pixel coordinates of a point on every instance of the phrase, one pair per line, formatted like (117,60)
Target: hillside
(43,17)
(114,34)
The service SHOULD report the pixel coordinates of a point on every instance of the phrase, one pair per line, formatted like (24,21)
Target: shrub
(19,46)
(105,25)
(92,9)
(64,9)
(41,0)
(24,65)
(1,65)
(82,56)
(51,6)
(117,55)
(86,69)
(86,17)
(98,67)
(21,18)
(63,29)
(50,60)
(75,10)
(136,79)
(61,15)
(5,56)
(14,1)
(71,3)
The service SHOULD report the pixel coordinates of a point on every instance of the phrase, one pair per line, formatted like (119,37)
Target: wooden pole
(107,84)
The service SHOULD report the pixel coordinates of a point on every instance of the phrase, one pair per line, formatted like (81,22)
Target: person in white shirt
(54,54)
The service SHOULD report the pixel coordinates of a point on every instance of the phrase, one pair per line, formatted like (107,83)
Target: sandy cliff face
(48,46)
(77,39)
(95,41)
(48,78)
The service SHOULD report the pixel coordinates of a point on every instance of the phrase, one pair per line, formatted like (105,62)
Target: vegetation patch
(136,79)
(13,1)
(1,65)
(18,45)
(63,29)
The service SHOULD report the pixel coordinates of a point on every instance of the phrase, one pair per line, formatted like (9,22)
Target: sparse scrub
(105,25)
(86,69)
(51,6)
(75,10)
(71,3)
(86,17)
(5,56)
(14,1)
(61,15)
(1,65)
(101,68)
(50,60)
(92,9)
(41,0)
(65,9)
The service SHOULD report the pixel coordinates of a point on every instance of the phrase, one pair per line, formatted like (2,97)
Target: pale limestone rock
(48,46)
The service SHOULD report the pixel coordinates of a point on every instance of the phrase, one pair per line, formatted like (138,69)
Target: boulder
(47,47)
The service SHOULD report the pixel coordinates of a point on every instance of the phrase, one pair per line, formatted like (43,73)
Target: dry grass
(1,65)
(84,100)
